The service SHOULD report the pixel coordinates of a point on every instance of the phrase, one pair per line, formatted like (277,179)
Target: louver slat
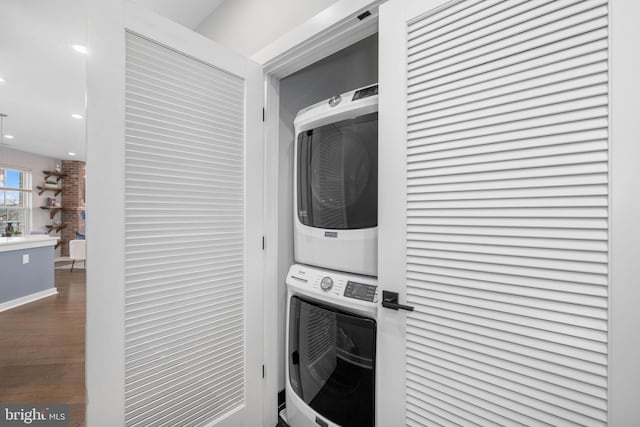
(507,214)
(184,294)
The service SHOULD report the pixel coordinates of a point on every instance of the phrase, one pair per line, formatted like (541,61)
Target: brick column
(73,193)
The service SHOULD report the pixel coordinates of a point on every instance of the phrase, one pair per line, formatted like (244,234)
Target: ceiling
(44,77)
(189,13)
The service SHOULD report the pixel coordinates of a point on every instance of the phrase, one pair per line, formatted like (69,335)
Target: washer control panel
(360,291)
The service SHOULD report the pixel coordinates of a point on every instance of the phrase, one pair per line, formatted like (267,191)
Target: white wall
(348,69)
(36,164)
(248,25)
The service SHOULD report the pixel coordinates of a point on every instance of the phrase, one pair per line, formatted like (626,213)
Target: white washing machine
(336,183)
(331,348)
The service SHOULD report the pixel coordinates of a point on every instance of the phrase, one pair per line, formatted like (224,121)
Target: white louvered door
(494,177)
(193,218)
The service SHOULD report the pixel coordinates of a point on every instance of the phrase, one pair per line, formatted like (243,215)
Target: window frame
(26,220)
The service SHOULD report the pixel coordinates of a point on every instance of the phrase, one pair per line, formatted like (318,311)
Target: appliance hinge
(263,114)
(263,243)
(262,371)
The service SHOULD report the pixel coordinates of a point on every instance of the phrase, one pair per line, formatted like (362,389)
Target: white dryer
(336,183)
(331,348)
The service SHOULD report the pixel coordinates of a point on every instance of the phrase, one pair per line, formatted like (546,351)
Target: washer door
(332,362)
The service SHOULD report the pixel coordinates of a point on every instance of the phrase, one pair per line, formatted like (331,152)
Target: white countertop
(26,242)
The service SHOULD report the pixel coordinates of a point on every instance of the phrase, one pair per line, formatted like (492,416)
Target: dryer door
(332,362)
(337,170)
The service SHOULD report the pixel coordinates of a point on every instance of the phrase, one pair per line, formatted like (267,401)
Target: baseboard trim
(27,299)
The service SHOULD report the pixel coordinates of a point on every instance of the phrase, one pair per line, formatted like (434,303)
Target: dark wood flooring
(42,349)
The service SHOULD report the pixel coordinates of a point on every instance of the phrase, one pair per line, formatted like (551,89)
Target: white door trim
(331,30)
(105,127)
(624,205)
(271,103)
(392,202)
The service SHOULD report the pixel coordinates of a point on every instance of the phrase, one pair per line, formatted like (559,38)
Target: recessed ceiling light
(2,80)
(71,154)
(76,116)
(80,48)
(9,136)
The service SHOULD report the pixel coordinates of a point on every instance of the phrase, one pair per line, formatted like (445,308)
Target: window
(15,201)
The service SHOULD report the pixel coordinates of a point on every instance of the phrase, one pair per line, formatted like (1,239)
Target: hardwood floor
(42,349)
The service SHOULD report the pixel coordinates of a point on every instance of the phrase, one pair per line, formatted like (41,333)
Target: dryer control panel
(360,291)
(366,92)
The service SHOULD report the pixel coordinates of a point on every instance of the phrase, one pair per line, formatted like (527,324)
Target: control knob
(334,100)
(327,283)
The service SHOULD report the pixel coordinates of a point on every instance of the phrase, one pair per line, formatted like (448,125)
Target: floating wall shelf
(44,188)
(54,210)
(55,228)
(48,174)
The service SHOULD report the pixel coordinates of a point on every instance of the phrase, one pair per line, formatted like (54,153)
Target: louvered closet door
(506,212)
(187,292)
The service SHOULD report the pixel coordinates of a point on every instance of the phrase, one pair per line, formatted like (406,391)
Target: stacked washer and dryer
(332,297)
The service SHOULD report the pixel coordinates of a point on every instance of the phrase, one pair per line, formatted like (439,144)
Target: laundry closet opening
(353,67)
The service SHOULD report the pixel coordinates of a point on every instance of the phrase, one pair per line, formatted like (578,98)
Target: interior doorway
(42,206)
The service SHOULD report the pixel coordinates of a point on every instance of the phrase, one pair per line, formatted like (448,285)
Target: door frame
(624,205)
(105,350)
(328,32)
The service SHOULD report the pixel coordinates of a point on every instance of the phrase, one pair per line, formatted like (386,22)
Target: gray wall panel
(18,280)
